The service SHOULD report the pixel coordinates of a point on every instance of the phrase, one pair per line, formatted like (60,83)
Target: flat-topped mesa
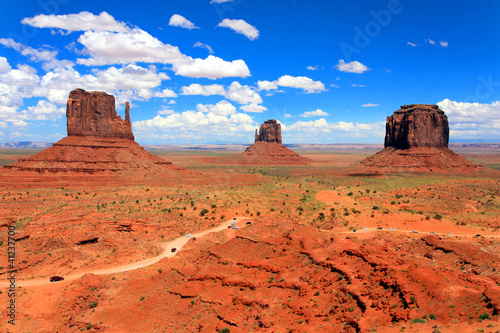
(270,131)
(93,114)
(417,125)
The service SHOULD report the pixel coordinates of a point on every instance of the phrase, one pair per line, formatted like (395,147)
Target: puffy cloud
(430,41)
(443,43)
(203,46)
(253,107)
(165,93)
(411,44)
(4,65)
(241,27)
(223,108)
(316,113)
(201,126)
(267,85)
(108,42)
(180,21)
(472,120)
(204,90)
(339,128)
(42,111)
(35,55)
(242,94)
(369,104)
(137,45)
(77,22)
(351,67)
(235,92)
(312,68)
(301,82)
(212,68)
(166,112)
(126,83)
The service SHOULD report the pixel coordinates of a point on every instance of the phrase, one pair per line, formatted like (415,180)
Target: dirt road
(178,243)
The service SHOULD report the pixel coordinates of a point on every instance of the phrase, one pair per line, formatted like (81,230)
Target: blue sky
(211,71)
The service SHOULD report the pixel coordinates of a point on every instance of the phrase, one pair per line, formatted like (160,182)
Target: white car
(188,235)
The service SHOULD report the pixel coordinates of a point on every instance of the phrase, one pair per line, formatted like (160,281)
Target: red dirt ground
(298,267)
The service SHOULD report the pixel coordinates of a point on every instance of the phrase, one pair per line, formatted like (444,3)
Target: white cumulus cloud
(180,21)
(212,68)
(351,67)
(301,82)
(472,120)
(241,27)
(77,22)
(35,55)
(253,107)
(316,113)
(223,108)
(234,92)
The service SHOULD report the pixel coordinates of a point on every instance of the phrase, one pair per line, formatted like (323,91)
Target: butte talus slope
(416,139)
(268,148)
(99,142)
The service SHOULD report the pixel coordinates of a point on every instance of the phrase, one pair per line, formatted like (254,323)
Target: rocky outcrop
(93,114)
(417,125)
(268,148)
(270,131)
(416,140)
(98,142)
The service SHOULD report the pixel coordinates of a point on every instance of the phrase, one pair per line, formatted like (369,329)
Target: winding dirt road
(178,243)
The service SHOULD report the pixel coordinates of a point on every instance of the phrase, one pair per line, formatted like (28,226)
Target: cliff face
(416,139)
(270,131)
(93,114)
(417,125)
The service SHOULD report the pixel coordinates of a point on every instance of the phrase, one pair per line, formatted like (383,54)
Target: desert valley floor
(328,249)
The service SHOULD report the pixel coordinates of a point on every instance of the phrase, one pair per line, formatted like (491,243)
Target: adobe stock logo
(372,29)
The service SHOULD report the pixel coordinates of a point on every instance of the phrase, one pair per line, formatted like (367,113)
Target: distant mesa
(268,147)
(416,139)
(99,141)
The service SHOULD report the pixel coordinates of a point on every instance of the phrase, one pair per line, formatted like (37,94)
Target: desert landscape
(213,240)
(236,166)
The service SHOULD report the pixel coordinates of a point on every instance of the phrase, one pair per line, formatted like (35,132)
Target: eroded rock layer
(93,113)
(417,125)
(270,131)
(98,142)
(416,139)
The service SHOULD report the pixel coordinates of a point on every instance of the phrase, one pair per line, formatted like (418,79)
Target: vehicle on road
(56,278)
(173,249)
(229,226)
(450,235)
(379,228)
(234,218)
(391,229)
(188,235)
(248,222)
(415,231)
(354,230)
(433,233)
(478,235)
(235,227)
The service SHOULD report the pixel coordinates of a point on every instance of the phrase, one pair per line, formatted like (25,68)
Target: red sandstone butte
(93,114)
(268,147)
(416,139)
(99,142)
